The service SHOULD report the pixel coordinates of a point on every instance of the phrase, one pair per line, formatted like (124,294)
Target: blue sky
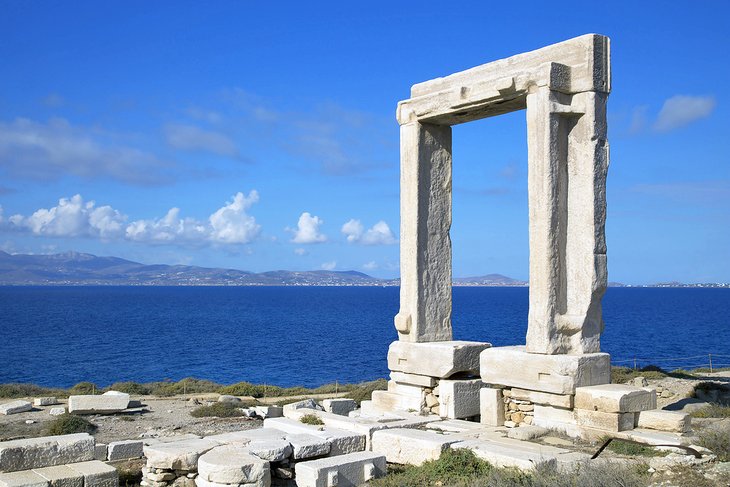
(262,136)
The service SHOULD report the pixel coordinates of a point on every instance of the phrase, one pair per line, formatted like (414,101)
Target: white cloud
(681,110)
(329,266)
(299,251)
(231,224)
(378,234)
(307,231)
(49,151)
(73,217)
(192,138)
(370,265)
(638,119)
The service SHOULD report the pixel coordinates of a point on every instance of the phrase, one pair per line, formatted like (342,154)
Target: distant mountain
(488,280)
(74,268)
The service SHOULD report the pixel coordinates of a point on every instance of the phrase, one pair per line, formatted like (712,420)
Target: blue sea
(58,336)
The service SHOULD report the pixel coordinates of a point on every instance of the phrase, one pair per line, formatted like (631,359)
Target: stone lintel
(555,374)
(573,66)
(414,379)
(615,398)
(436,359)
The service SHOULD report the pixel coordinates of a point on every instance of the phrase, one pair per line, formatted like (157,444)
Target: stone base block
(15,407)
(555,374)
(25,478)
(341,441)
(45,401)
(61,476)
(543,398)
(391,401)
(435,359)
(502,455)
(106,403)
(45,451)
(233,465)
(269,411)
(340,407)
(615,398)
(96,473)
(351,469)
(406,390)
(658,419)
(459,399)
(177,455)
(414,379)
(491,406)
(305,445)
(558,419)
(604,421)
(408,446)
(125,450)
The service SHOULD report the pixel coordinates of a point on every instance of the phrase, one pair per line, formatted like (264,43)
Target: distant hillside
(74,268)
(488,280)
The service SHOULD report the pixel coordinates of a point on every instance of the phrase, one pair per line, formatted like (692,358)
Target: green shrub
(218,410)
(362,392)
(28,390)
(453,467)
(83,388)
(717,439)
(188,385)
(67,424)
(633,449)
(312,419)
(133,388)
(621,375)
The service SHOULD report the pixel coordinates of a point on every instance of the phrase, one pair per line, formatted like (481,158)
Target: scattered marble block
(659,419)
(604,421)
(615,398)
(491,406)
(526,433)
(96,473)
(305,445)
(351,469)
(57,411)
(45,401)
(125,450)
(108,403)
(391,401)
(555,374)
(25,478)
(559,419)
(409,446)
(177,455)
(341,441)
(15,407)
(340,407)
(233,465)
(459,399)
(544,398)
(414,379)
(46,451)
(61,476)
(305,404)
(435,359)
(504,455)
(271,450)
(269,411)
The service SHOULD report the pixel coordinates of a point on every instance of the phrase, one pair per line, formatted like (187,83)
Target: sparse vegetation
(717,439)
(67,424)
(218,410)
(312,419)
(29,390)
(712,411)
(632,449)
(83,388)
(461,468)
(621,375)
(363,391)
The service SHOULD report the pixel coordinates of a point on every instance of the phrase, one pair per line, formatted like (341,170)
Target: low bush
(28,390)
(67,424)
(218,410)
(312,419)
(134,388)
(83,388)
(633,449)
(712,411)
(362,392)
(717,439)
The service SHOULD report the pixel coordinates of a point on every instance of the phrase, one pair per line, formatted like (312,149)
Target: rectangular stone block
(491,406)
(390,401)
(341,441)
(410,447)
(104,404)
(615,398)
(544,398)
(125,450)
(45,401)
(459,399)
(604,421)
(341,407)
(555,374)
(269,411)
(659,419)
(435,359)
(25,478)
(305,445)
(45,451)
(177,455)
(61,476)
(352,469)
(414,379)
(559,419)
(505,456)
(15,407)
(406,390)
(96,473)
